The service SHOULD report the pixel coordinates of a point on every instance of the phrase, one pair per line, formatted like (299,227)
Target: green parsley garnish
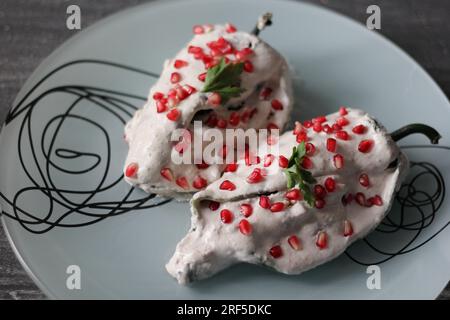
(296,175)
(224,78)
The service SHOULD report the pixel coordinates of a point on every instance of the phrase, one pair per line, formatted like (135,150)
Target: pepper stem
(263,21)
(407,130)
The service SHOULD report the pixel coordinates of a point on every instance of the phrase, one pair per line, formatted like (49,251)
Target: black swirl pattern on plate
(416,209)
(63,202)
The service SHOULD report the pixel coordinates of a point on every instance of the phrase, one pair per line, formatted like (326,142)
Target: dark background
(31,29)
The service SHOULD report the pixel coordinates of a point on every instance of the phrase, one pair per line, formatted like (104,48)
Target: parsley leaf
(224,78)
(295,174)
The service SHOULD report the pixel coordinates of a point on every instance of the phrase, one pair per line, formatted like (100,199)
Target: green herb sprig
(296,175)
(224,78)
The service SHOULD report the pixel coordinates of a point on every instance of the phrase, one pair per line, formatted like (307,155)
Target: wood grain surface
(31,29)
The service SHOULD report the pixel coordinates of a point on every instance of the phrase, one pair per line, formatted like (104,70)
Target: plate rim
(123,12)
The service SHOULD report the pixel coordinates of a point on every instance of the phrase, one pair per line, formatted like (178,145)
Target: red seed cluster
(234,119)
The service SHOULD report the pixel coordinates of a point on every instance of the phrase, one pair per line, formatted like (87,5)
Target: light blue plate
(62,154)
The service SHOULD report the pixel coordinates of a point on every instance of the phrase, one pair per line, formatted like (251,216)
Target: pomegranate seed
(228,49)
(175,77)
(202,77)
(369,202)
(182,93)
(208,60)
(245,116)
(213,205)
(160,106)
(264,202)
(245,227)
(180,147)
(338,160)
(327,129)
(330,184)
(234,119)
(251,158)
(246,210)
(360,198)
(178,64)
(307,163)
(365,146)
(319,191)
(322,239)
(298,128)
(182,182)
(276,104)
(307,124)
(342,121)
(331,145)
(348,228)
(166,173)
(216,52)
(222,123)
(294,242)
(359,129)
(347,199)
(319,119)
(248,66)
(268,159)
(230,28)
(227,185)
(293,195)
(172,93)
(283,162)
(224,151)
(194,49)
(272,126)
(319,203)
(265,93)
(247,51)
(158,96)
(343,135)
(317,127)
(277,207)
(214,99)
(172,102)
(199,183)
(364,180)
(197,29)
(202,165)
(242,54)
(276,252)
(302,136)
(377,200)
(231,167)
(226,216)
(336,127)
(189,89)
(222,42)
(272,140)
(131,170)
(310,149)
(212,120)
(255,176)
(199,55)
(173,114)
(343,111)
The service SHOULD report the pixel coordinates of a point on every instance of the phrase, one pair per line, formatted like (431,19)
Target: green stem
(263,21)
(413,128)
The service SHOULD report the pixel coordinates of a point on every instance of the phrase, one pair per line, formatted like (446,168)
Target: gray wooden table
(31,29)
